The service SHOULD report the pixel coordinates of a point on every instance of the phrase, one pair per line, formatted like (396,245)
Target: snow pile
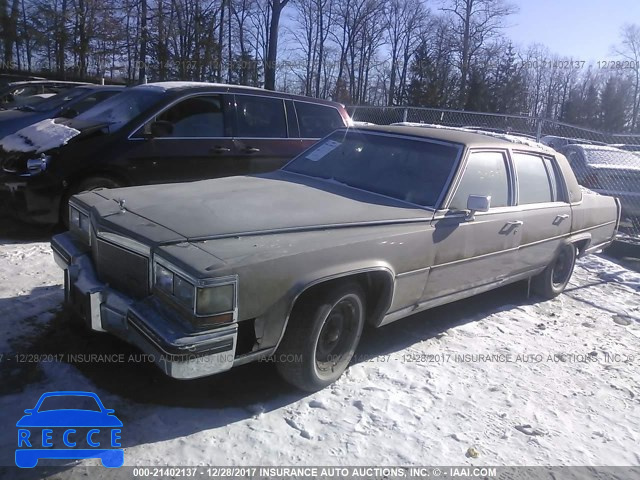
(39,137)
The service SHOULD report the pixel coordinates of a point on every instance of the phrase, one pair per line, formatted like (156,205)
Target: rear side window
(486,175)
(316,121)
(260,117)
(534,182)
(557,182)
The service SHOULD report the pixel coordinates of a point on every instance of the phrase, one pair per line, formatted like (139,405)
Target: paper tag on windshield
(324,149)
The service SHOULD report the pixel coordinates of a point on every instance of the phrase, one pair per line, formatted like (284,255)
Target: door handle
(511,227)
(251,150)
(219,149)
(560,218)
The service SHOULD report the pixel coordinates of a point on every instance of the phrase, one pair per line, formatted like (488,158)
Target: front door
(190,140)
(475,252)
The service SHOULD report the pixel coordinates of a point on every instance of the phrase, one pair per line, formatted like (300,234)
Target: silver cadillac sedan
(369,225)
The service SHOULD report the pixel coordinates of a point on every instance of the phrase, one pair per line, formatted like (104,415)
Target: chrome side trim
(435,302)
(418,271)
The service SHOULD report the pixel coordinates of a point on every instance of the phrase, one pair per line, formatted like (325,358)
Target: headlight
(78,219)
(38,165)
(214,299)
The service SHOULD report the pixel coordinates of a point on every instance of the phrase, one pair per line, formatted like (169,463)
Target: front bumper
(148,324)
(34,199)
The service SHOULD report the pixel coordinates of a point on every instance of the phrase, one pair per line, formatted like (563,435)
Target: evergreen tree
(478,95)
(614,102)
(508,93)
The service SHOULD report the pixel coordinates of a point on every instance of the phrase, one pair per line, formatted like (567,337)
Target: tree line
(434,53)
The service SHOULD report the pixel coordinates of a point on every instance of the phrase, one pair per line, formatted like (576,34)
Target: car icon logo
(69,425)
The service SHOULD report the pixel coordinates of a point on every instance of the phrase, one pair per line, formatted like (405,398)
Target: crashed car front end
(186,322)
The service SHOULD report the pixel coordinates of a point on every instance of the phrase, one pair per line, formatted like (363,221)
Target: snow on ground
(521,381)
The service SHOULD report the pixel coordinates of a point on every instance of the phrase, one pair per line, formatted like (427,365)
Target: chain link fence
(608,163)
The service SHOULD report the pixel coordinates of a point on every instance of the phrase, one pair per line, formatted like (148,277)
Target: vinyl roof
(466,137)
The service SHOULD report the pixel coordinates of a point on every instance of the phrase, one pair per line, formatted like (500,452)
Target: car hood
(267,203)
(39,137)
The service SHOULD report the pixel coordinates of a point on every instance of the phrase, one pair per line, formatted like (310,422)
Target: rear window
(317,121)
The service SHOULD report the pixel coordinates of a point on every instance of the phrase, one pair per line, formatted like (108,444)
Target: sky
(581,29)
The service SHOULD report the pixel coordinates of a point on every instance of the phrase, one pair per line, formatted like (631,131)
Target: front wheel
(321,337)
(552,281)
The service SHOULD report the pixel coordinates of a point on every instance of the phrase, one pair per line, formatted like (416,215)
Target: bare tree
(404,22)
(630,50)
(276,7)
(476,22)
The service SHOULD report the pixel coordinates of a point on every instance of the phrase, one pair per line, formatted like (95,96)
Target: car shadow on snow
(147,396)
(14,231)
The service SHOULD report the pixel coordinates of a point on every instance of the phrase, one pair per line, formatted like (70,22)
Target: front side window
(485,175)
(408,169)
(316,121)
(260,117)
(200,116)
(534,184)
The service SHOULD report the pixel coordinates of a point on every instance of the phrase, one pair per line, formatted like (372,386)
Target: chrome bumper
(150,325)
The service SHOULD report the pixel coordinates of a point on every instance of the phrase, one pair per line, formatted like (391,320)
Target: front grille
(122,269)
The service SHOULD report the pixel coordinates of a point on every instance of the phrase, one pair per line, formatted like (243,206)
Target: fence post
(539,129)
(404,115)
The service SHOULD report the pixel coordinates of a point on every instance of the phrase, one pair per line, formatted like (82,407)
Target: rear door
(188,140)
(472,253)
(543,204)
(266,135)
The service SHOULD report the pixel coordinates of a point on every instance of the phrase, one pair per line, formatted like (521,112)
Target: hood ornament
(121,203)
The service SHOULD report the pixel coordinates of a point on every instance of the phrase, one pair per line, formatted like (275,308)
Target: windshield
(56,101)
(613,158)
(413,170)
(120,109)
(69,402)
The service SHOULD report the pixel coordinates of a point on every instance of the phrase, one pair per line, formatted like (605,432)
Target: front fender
(270,327)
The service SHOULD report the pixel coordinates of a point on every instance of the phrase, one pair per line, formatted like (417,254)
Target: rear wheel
(552,281)
(322,336)
(85,185)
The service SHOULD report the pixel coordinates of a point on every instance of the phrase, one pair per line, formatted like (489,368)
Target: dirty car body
(213,274)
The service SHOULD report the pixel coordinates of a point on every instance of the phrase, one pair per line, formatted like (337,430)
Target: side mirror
(69,113)
(161,128)
(477,203)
